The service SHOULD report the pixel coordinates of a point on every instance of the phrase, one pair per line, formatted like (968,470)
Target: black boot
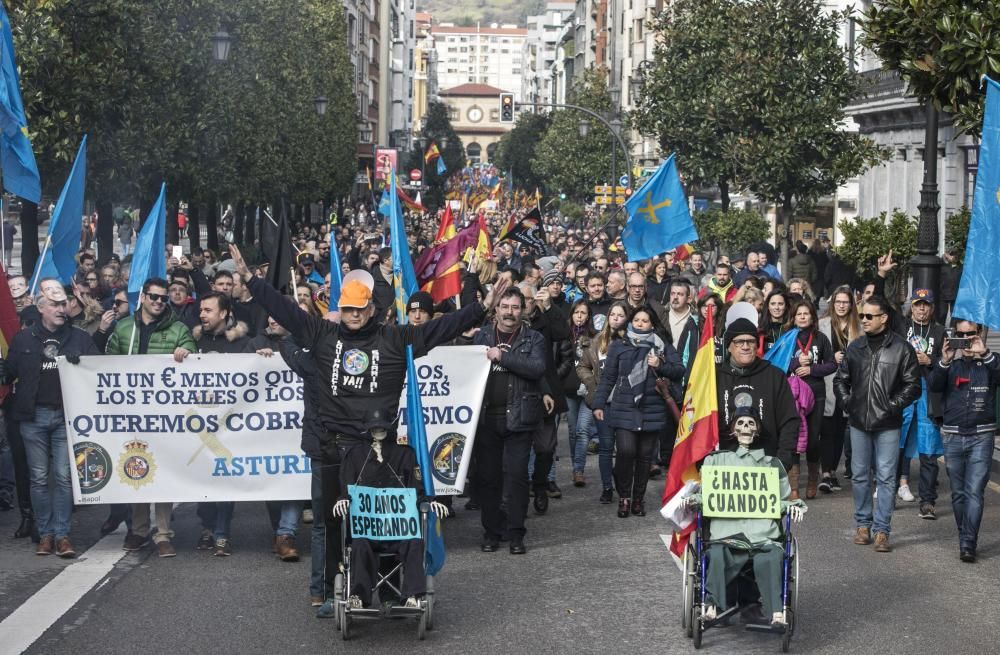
(27,527)
(623,508)
(638,507)
(541,500)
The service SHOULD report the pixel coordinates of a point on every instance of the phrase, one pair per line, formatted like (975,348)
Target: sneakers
(307,515)
(778,619)
(904,493)
(968,555)
(927,512)
(882,543)
(327,609)
(553,490)
(46,546)
(64,548)
(863,536)
(835,484)
(285,549)
(206,541)
(607,496)
(134,542)
(578,479)
(166,549)
(223,548)
(826,484)
(710,612)
(411,603)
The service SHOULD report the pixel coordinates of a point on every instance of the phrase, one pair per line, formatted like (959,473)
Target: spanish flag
(432,153)
(682,252)
(9,323)
(698,431)
(446,230)
(484,249)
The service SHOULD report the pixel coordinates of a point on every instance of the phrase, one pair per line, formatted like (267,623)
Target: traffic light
(506,107)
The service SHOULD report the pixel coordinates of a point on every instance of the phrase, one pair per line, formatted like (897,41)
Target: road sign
(602,189)
(606,200)
(623,180)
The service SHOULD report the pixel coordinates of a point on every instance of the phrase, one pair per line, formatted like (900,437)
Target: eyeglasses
(91,279)
(120,302)
(841,302)
(869,317)
(744,343)
(157,297)
(961,334)
(637,286)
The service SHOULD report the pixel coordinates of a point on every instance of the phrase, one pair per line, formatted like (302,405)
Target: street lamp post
(926,265)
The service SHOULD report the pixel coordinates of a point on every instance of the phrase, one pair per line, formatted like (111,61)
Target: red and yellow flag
(484,249)
(698,430)
(682,252)
(9,323)
(446,230)
(432,153)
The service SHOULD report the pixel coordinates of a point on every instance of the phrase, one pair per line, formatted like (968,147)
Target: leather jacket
(875,386)
(526,362)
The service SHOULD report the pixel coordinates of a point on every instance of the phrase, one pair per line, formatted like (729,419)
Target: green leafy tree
(730,231)
(516,150)
(566,161)
(439,127)
(941,48)
(767,82)
(956,233)
(867,239)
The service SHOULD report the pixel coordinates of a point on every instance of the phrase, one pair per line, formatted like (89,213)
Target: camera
(959,343)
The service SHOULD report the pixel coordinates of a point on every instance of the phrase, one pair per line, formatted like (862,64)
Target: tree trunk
(212,226)
(172,233)
(238,218)
(784,232)
(105,231)
(194,225)
(251,222)
(29,237)
(724,192)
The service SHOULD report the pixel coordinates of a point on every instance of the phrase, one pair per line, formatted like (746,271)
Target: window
(474,150)
(491,151)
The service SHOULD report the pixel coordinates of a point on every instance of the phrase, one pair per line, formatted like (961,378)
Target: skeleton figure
(378,436)
(745,430)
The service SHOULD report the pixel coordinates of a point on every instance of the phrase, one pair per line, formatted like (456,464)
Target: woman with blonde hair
(841,326)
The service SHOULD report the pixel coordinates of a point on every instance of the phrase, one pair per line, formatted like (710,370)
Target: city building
(397,63)
(480,55)
(363,47)
(425,74)
(474,111)
(541,48)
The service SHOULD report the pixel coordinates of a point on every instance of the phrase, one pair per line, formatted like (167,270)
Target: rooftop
(471,89)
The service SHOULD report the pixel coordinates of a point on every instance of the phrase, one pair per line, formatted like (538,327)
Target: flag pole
(589,241)
(38,267)
(275,224)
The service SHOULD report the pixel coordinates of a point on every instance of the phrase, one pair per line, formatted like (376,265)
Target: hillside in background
(468,12)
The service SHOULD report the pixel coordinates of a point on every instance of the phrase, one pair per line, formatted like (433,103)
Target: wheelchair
(387,599)
(694,592)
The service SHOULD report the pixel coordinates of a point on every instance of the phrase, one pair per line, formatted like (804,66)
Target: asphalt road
(590,583)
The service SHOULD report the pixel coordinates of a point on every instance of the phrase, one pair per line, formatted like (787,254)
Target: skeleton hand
(796,512)
(340,507)
(439,509)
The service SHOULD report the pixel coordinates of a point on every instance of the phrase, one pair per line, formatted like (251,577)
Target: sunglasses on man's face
(157,297)
(869,317)
(960,334)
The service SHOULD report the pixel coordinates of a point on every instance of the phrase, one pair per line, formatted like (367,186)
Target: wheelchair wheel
(430,602)
(786,638)
(338,592)
(422,626)
(686,590)
(793,590)
(698,629)
(345,623)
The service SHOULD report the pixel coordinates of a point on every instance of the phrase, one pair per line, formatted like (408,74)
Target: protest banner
(452,384)
(740,492)
(384,514)
(143,428)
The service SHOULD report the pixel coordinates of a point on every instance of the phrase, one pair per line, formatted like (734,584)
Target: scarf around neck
(642,339)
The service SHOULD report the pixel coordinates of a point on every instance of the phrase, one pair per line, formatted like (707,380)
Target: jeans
(605,454)
(968,460)
(284,516)
(125,248)
(502,469)
(580,433)
(45,445)
(878,450)
(216,518)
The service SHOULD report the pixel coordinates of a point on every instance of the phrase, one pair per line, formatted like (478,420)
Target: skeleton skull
(745,430)
(379,434)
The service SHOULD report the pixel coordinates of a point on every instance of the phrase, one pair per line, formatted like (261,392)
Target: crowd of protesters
(576,335)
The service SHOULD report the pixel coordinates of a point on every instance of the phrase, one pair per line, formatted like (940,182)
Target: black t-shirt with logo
(49,392)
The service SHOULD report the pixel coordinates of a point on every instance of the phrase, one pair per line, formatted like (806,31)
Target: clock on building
(475,114)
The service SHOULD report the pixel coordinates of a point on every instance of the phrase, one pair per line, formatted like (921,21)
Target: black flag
(276,241)
(530,231)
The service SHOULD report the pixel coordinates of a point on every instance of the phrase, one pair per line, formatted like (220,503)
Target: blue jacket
(639,407)
(969,389)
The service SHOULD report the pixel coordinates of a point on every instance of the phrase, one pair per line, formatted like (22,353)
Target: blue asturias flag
(441,168)
(975,300)
(20,173)
(780,354)
(658,217)
(149,258)
(59,253)
(405,284)
(336,276)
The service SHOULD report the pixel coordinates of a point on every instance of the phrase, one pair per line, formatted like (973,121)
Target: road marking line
(30,621)
(994,486)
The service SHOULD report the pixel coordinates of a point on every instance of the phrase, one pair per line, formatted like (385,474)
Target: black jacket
(764,388)
(875,387)
(555,331)
(969,388)
(636,407)
(231,340)
(27,356)
(398,468)
(525,361)
(383,294)
(360,369)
